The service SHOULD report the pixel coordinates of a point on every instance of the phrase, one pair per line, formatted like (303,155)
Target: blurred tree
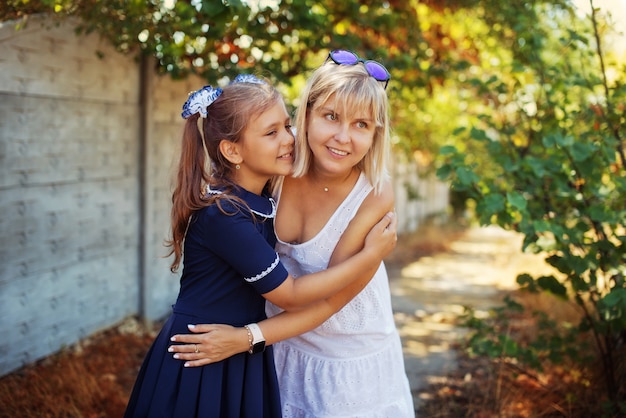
(552,128)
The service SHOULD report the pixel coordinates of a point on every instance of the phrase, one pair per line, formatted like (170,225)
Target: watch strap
(255,338)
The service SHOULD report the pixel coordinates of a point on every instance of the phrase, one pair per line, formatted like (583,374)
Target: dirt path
(428,294)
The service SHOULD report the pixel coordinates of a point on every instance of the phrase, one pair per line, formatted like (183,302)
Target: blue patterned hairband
(200,100)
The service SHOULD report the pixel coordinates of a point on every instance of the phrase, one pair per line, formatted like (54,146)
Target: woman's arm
(217,342)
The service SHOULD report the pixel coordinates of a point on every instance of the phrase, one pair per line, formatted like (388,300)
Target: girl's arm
(217,342)
(369,240)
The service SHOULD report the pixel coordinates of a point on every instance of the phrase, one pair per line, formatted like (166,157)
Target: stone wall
(85,163)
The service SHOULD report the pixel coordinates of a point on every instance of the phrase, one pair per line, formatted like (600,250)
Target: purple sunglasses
(374,68)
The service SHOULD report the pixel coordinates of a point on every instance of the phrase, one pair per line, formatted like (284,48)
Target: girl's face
(266,148)
(338,140)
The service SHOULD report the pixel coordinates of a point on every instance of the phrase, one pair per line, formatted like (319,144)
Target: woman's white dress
(352,365)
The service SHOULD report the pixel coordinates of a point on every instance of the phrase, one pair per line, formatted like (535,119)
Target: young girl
(352,364)
(223,220)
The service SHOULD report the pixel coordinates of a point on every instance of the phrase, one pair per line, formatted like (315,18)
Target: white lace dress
(351,365)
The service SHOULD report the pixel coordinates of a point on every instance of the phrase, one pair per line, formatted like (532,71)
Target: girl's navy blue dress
(229,261)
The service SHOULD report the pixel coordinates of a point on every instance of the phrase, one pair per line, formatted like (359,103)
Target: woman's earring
(237,166)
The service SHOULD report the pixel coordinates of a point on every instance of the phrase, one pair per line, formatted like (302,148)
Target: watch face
(258,347)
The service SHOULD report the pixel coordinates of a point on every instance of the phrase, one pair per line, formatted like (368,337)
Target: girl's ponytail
(188,195)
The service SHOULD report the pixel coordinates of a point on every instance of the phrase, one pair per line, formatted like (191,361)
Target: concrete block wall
(74,253)
(85,188)
(68,187)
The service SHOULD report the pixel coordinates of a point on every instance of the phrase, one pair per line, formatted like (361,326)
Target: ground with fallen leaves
(93,378)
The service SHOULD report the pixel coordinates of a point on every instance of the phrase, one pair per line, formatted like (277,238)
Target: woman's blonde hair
(354,90)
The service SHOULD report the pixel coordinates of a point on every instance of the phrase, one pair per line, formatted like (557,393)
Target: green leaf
(616,298)
(581,151)
(494,203)
(510,347)
(549,141)
(600,213)
(466,176)
(458,131)
(444,171)
(516,200)
(526,282)
(552,285)
(213,8)
(478,134)
(448,150)
(613,308)
(536,165)
(563,141)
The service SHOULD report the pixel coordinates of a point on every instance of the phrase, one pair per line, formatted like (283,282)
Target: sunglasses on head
(374,68)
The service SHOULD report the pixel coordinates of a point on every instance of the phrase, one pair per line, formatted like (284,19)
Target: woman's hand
(209,343)
(383,236)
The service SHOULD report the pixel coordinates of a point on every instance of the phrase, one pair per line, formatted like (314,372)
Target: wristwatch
(255,338)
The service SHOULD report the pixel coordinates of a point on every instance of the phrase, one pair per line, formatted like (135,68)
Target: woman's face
(339,138)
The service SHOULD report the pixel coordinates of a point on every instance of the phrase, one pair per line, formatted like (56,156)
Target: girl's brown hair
(227,119)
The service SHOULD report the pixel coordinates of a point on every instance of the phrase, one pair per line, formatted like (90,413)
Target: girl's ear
(231,151)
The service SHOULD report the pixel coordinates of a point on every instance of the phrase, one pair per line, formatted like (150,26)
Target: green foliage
(497,337)
(423,44)
(553,137)
(220,38)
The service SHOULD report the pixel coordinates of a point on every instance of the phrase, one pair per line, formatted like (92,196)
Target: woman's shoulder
(380,201)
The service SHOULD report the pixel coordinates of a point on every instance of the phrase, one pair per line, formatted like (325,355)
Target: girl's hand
(209,343)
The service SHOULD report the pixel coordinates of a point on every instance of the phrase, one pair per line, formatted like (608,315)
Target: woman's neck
(328,182)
